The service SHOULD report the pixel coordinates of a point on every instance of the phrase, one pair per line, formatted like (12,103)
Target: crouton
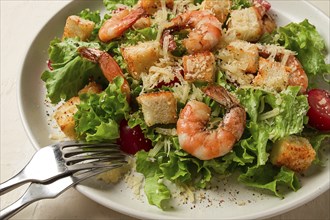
(220,8)
(158,108)
(293,152)
(64,115)
(76,26)
(139,58)
(272,75)
(199,67)
(246,23)
(92,87)
(242,54)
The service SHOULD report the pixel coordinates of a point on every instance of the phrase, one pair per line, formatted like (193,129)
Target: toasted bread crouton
(246,23)
(92,87)
(199,67)
(272,75)
(158,108)
(293,152)
(64,115)
(139,58)
(76,26)
(242,55)
(220,8)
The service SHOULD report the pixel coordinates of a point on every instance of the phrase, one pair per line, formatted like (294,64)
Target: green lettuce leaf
(271,116)
(99,115)
(319,141)
(157,193)
(270,178)
(112,4)
(61,52)
(70,71)
(90,15)
(304,39)
(240,4)
(65,82)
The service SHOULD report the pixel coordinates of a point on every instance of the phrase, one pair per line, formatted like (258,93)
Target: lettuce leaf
(112,4)
(304,39)
(240,4)
(91,15)
(271,116)
(319,141)
(70,71)
(157,193)
(61,52)
(270,178)
(99,115)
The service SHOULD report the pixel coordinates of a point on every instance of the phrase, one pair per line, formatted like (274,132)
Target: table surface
(20,22)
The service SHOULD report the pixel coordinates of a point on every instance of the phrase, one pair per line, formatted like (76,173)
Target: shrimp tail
(108,65)
(220,95)
(91,54)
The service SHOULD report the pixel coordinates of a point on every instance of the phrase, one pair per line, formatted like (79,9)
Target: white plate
(231,201)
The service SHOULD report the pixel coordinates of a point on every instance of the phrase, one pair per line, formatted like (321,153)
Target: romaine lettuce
(304,39)
(112,4)
(99,115)
(70,71)
(271,116)
(270,178)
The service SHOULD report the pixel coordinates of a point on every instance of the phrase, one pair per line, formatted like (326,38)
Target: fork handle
(14,182)
(11,210)
(34,192)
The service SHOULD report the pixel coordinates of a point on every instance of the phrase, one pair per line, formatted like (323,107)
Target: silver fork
(38,191)
(62,159)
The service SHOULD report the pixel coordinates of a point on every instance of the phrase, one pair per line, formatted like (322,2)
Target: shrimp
(295,72)
(298,75)
(205,34)
(119,23)
(108,65)
(206,144)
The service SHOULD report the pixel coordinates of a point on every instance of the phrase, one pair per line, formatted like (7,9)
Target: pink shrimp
(108,65)
(206,30)
(119,23)
(296,74)
(206,144)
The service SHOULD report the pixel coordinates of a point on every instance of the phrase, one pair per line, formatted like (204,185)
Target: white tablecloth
(20,22)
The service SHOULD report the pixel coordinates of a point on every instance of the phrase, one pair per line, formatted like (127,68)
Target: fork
(38,191)
(61,159)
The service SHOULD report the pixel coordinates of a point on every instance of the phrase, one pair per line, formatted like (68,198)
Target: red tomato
(319,111)
(132,140)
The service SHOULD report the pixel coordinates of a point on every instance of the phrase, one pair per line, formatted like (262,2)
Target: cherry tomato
(132,140)
(319,111)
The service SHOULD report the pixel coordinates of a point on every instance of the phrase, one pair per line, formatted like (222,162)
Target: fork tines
(78,156)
